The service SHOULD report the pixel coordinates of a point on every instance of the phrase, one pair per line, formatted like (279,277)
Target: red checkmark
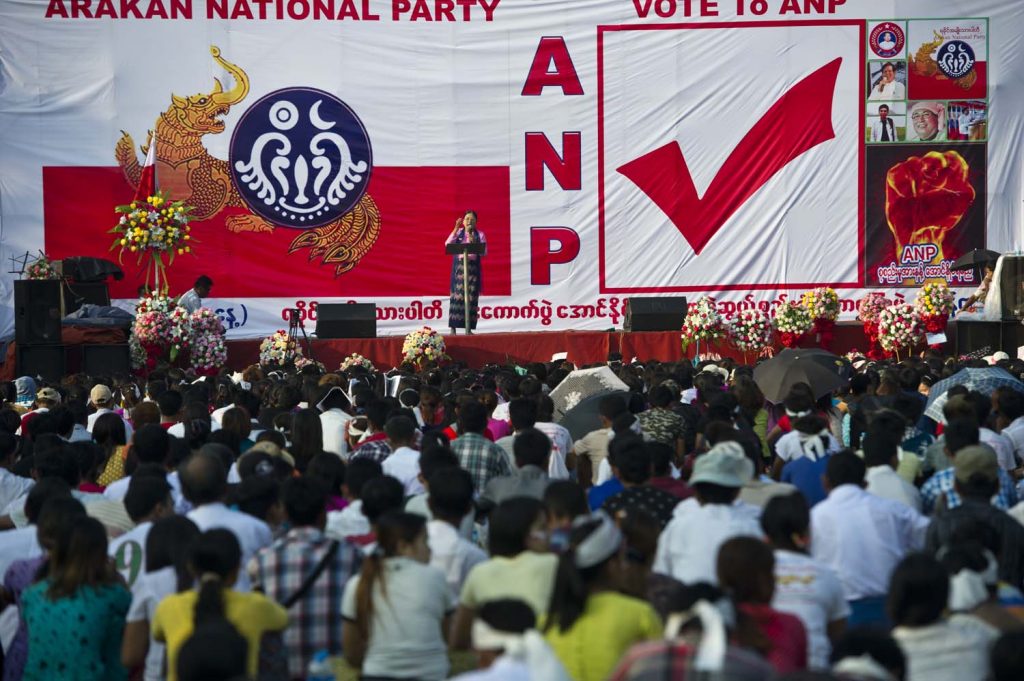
(799,121)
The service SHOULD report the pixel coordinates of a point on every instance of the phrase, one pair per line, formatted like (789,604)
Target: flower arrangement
(41,268)
(424,345)
(899,326)
(279,349)
(868,310)
(934,304)
(152,229)
(208,349)
(164,331)
(792,321)
(750,331)
(822,303)
(303,362)
(356,360)
(702,323)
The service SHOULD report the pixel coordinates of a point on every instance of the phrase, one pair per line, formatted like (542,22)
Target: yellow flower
(134,249)
(188,249)
(124,241)
(187,237)
(180,251)
(132,223)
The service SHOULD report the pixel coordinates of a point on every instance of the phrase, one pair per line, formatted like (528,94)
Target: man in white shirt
(881,456)
(204,481)
(803,586)
(403,463)
(102,400)
(23,542)
(688,546)
(888,88)
(350,521)
(883,129)
(334,421)
(862,537)
(563,456)
(11,486)
(192,300)
(450,499)
(148,500)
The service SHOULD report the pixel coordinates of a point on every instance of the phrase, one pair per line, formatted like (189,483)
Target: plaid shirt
(673,661)
(315,621)
(482,458)
(377,449)
(942,483)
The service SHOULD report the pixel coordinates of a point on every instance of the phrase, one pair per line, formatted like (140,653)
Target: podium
(472,248)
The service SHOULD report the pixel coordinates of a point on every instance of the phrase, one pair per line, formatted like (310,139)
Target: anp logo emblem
(301,158)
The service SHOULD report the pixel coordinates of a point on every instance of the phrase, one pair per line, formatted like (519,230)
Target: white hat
(725,464)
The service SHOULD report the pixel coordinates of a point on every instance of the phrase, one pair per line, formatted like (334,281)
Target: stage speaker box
(1011,288)
(106,360)
(346,320)
(979,338)
(37,311)
(77,295)
(655,314)
(41,360)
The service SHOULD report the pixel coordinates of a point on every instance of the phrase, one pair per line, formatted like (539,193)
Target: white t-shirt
(129,552)
(13,487)
(348,522)
(811,591)
(789,447)
(451,554)
(404,465)
(334,424)
(18,544)
(252,533)
(149,589)
(688,546)
(405,632)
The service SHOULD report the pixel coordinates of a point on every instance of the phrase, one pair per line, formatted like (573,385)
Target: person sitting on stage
(193,299)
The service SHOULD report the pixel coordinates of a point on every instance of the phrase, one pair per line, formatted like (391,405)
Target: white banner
(747,149)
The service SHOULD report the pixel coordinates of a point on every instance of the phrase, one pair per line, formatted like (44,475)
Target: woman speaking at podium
(465,281)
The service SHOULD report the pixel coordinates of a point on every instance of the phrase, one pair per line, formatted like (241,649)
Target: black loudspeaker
(980,339)
(77,295)
(106,360)
(346,320)
(37,311)
(41,360)
(655,314)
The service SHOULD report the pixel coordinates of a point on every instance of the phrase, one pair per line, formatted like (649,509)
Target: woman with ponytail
(396,610)
(214,564)
(590,624)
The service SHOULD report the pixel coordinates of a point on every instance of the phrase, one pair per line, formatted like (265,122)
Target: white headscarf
(530,648)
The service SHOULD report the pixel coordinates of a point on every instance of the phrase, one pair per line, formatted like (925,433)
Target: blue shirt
(806,474)
(942,483)
(597,495)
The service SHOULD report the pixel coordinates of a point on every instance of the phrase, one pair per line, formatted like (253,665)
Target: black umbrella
(831,361)
(583,417)
(819,369)
(974,259)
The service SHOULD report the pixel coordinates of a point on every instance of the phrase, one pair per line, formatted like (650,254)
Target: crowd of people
(267,524)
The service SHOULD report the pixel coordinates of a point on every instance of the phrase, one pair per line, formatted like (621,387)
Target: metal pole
(465,287)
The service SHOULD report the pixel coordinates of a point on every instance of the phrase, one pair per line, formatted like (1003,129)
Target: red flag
(147,181)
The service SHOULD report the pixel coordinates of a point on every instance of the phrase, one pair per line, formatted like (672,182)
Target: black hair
(633,462)
(170,403)
(522,413)
(510,523)
(380,495)
(509,615)
(329,469)
(880,445)
(256,495)
(54,516)
(305,500)
(960,433)
(876,643)
(56,461)
(565,499)
(215,650)
(918,591)
(400,429)
(472,417)
(611,406)
(151,444)
(169,544)
(572,584)
(203,281)
(451,493)
(203,478)
(215,555)
(661,458)
(660,396)
(377,413)
(784,516)
(144,494)
(711,493)
(845,468)
(1007,657)
(532,448)
(43,491)
(360,471)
